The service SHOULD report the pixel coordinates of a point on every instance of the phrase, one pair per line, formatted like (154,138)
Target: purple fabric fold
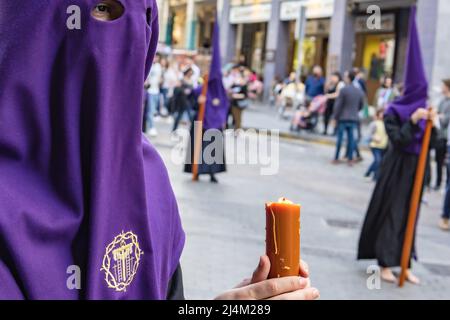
(79,184)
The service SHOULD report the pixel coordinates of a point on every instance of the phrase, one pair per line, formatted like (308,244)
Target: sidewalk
(262,116)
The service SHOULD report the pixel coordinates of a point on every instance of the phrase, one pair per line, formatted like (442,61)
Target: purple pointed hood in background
(415,86)
(217,104)
(81,189)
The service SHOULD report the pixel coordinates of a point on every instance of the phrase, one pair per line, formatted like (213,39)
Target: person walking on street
(346,115)
(153,83)
(334,86)
(444,117)
(361,84)
(184,99)
(441,143)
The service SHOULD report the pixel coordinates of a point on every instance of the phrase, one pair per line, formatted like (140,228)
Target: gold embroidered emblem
(121,261)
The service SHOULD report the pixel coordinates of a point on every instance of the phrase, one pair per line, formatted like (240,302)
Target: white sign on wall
(315,9)
(251,14)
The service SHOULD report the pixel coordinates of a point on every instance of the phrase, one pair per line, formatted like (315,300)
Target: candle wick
(274,231)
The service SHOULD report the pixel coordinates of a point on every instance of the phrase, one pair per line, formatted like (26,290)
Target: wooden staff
(198,132)
(415,203)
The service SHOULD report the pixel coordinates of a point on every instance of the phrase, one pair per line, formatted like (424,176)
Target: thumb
(262,271)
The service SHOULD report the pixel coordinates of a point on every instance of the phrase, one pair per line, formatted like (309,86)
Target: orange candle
(283,238)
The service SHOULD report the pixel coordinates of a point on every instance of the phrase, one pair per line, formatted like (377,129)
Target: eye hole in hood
(108,10)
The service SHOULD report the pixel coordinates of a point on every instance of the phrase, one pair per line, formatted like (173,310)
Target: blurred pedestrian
(196,72)
(291,95)
(275,90)
(444,223)
(184,99)
(378,144)
(163,91)
(171,79)
(346,116)
(360,80)
(307,116)
(153,83)
(333,89)
(441,143)
(315,84)
(255,87)
(361,84)
(385,94)
(239,99)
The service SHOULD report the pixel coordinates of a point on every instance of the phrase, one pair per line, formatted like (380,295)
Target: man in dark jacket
(346,115)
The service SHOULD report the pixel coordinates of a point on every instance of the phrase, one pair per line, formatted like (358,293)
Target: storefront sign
(315,9)
(251,14)
(387,24)
(318,27)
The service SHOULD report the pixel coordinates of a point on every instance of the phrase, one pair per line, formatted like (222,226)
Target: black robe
(384,228)
(175,289)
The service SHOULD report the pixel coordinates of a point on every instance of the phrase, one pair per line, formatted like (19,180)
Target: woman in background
(333,88)
(385,94)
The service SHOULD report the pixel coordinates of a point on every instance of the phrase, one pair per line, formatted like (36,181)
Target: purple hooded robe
(81,189)
(416,86)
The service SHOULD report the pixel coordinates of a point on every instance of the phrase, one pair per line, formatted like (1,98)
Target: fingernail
(316,293)
(302,281)
(260,262)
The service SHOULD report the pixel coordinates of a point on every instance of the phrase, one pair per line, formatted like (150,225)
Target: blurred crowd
(339,103)
(313,97)
(173,87)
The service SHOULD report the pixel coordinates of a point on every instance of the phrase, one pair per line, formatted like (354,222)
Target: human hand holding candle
(280,275)
(260,287)
(283,238)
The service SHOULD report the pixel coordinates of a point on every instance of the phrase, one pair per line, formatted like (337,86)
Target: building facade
(187,24)
(265,35)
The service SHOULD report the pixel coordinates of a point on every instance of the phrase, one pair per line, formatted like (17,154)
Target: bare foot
(444,225)
(410,277)
(388,276)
